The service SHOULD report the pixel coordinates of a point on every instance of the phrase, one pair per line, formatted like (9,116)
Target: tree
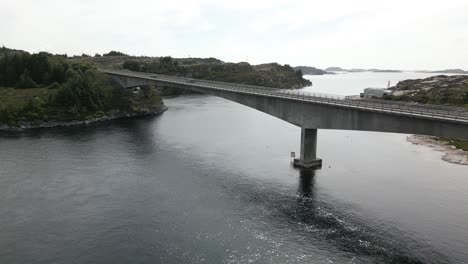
(8,74)
(90,91)
(299,74)
(114,53)
(25,81)
(38,66)
(7,114)
(131,65)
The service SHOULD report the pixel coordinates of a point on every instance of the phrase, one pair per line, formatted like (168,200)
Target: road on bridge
(437,112)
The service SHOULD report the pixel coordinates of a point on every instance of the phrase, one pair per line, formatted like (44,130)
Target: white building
(375,93)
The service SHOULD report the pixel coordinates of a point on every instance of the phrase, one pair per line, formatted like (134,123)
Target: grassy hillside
(271,74)
(44,87)
(12,97)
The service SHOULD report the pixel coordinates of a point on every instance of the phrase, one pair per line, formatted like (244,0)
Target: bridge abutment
(308,158)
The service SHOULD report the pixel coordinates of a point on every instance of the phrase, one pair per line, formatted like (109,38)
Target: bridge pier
(308,158)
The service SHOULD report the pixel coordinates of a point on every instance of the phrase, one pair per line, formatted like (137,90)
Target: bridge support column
(308,158)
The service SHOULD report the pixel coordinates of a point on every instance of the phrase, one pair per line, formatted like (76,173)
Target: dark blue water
(209,181)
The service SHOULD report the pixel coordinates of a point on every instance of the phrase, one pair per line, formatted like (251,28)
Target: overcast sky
(397,34)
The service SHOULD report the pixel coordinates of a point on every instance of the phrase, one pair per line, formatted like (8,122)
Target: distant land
(339,69)
(308,70)
(446,71)
(452,71)
(379,70)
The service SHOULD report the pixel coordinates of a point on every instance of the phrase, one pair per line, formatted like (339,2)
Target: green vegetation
(81,96)
(458,143)
(271,75)
(15,103)
(12,97)
(447,97)
(43,87)
(114,53)
(24,70)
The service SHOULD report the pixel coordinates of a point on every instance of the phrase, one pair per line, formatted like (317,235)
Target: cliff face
(442,89)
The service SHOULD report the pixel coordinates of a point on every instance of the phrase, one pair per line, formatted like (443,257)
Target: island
(47,90)
(339,69)
(447,71)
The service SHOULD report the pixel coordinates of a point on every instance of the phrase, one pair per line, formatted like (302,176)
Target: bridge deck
(445,113)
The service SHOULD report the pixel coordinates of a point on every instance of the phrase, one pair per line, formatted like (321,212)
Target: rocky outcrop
(307,70)
(442,89)
(270,74)
(451,153)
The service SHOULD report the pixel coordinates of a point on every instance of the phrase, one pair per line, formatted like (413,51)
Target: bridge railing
(439,112)
(333,99)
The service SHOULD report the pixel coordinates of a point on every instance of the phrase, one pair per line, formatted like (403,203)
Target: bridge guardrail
(439,112)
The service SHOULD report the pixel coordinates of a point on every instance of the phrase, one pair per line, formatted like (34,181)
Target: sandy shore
(452,154)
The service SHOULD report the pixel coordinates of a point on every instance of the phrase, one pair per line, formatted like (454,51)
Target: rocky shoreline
(452,154)
(26,125)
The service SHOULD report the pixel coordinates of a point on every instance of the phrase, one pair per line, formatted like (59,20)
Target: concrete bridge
(318,111)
